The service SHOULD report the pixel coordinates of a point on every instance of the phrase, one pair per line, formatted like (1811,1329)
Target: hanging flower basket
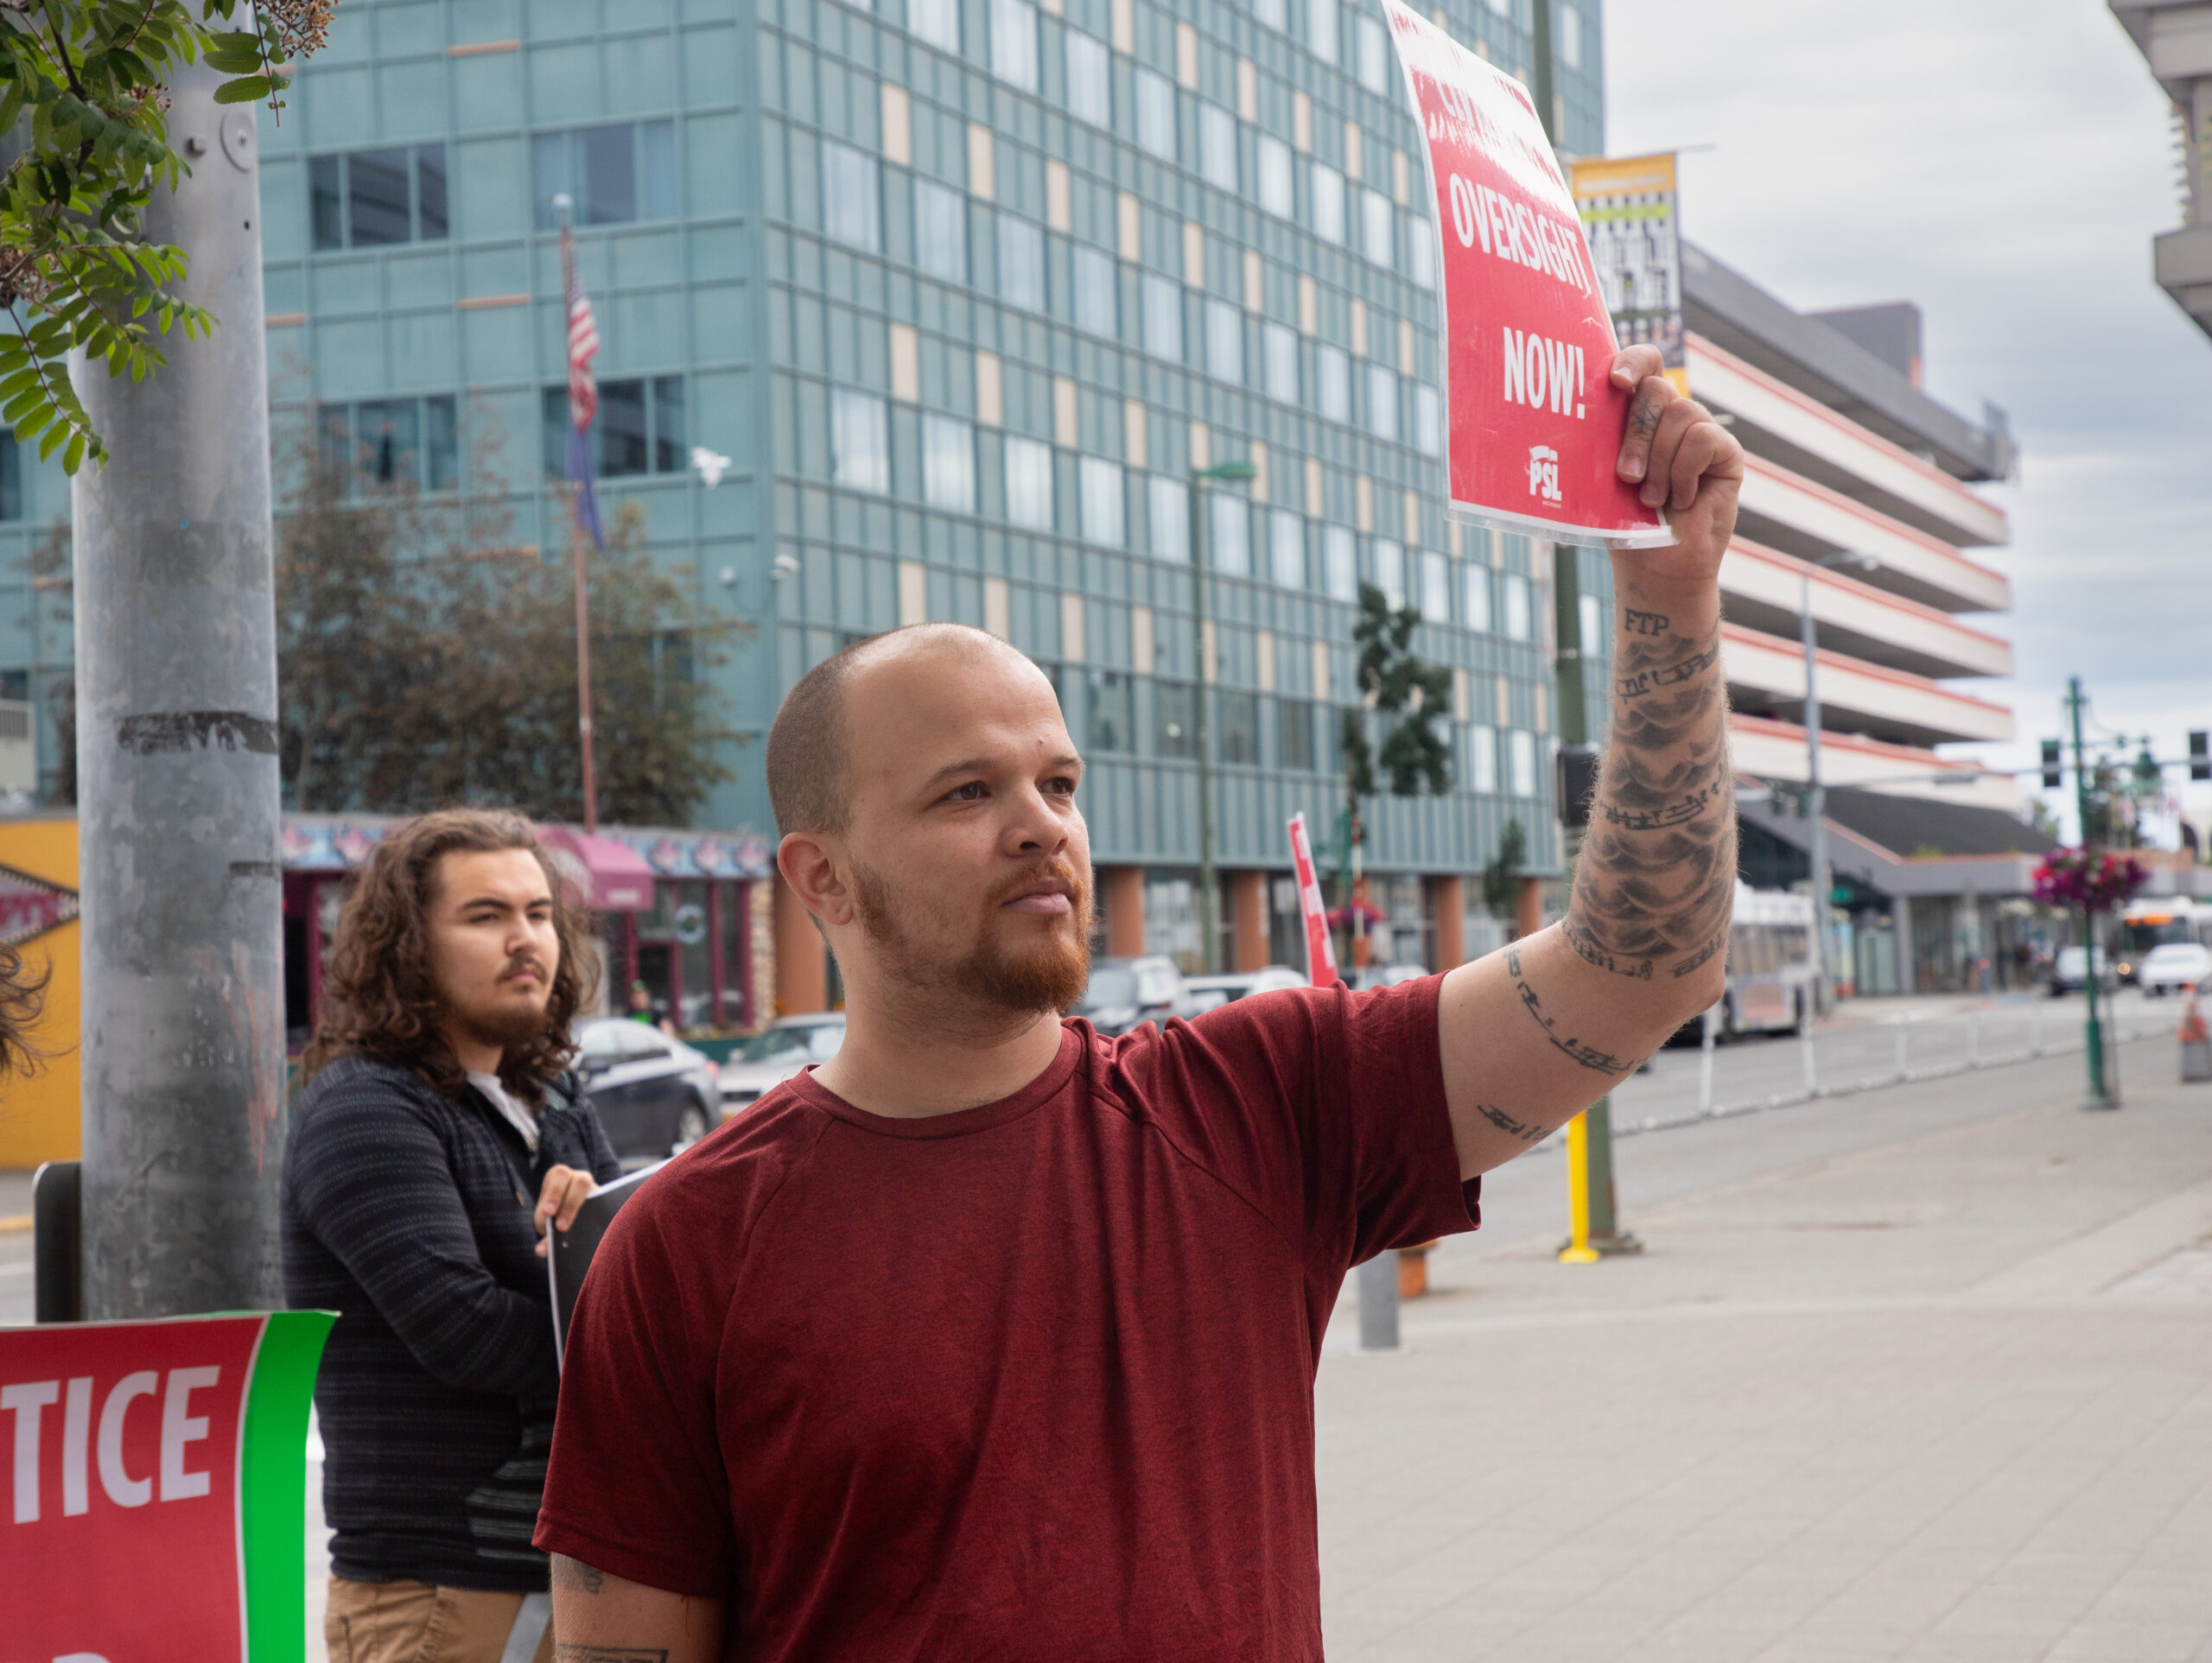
(2088,880)
(1369,914)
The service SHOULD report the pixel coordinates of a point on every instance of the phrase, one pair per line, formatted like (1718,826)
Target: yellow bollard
(1578,1251)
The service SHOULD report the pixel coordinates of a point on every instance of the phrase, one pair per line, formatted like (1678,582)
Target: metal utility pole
(1209,880)
(2100,1095)
(178,816)
(1816,797)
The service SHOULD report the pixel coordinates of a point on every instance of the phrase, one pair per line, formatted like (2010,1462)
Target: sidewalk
(1941,1389)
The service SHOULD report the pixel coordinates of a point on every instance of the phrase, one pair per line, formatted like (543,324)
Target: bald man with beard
(995,1337)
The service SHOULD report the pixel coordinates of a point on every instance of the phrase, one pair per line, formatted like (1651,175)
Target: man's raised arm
(1534,1034)
(598,1617)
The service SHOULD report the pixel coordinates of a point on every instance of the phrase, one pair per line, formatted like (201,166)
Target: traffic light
(2054,772)
(2200,756)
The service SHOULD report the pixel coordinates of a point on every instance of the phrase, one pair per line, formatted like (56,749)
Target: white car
(1210,991)
(1385,975)
(777,1052)
(2177,965)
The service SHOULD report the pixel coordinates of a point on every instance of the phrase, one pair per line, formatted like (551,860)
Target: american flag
(584,391)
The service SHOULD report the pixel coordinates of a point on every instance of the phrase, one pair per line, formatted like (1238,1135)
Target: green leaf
(246,91)
(54,436)
(245,62)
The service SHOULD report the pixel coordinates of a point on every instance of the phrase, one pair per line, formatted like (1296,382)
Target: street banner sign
(1535,419)
(1320,951)
(157,1504)
(1628,209)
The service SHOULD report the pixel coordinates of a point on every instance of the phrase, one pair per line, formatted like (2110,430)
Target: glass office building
(964,290)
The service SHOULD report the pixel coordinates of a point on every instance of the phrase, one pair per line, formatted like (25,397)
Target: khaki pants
(415,1622)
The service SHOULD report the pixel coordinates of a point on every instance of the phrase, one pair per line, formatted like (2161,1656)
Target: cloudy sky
(2005,163)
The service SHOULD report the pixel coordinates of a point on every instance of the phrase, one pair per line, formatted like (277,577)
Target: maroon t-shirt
(1032,1380)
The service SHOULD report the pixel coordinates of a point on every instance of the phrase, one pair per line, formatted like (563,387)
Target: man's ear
(810,869)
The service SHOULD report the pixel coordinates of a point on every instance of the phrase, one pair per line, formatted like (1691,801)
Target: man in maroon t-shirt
(995,1338)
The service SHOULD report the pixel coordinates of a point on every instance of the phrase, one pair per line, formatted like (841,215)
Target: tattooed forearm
(576,1576)
(1511,1128)
(1588,1056)
(566,1651)
(1640,623)
(1651,679)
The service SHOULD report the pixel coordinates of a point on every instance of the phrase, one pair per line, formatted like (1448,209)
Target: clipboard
(573,1247)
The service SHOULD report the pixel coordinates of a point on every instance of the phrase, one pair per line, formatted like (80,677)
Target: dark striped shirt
(409,1214)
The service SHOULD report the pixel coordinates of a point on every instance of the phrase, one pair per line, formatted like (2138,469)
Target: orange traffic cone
(2196,1047)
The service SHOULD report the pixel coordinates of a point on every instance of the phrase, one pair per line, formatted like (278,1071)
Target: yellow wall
(39,1115)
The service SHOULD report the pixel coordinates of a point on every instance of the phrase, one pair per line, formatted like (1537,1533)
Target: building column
(1247,912)
(1529,907)
(801,978)
(1901,912)
(1447,898)
(1121,896)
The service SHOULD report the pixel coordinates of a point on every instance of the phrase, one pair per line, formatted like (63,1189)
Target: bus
(2154,920)
(1770,963)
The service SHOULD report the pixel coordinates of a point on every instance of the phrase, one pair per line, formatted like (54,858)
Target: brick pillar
(801,978)
(1248,911)
(1448,896)
(1528,909)
(1122,897)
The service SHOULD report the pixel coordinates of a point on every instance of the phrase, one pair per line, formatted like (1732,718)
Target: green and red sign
(154,1510)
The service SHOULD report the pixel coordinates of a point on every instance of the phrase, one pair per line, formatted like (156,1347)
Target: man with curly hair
(440,1135)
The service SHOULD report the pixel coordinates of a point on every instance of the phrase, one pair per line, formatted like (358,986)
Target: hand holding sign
(1680,460)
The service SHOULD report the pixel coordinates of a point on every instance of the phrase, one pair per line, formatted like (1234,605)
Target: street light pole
(1209,880)
(2093,1038)
(1816,797)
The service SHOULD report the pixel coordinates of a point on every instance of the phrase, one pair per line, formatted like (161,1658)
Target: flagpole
(583,588)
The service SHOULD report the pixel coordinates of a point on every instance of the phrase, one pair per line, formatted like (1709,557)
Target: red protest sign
(1535,420)
(155,1505)
(1320,951)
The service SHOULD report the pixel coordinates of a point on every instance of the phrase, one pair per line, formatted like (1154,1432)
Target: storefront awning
(1909,845)
(614,877)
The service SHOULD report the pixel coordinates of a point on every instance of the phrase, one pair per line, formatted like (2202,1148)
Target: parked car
(654,1094)
(2068,971)
(2173,966)
(1384,975)
(1206,992)
(1126,993)
(775,1053)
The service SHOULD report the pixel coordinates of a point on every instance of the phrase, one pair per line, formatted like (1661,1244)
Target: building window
(1478,766)
(1218,146)
(1521,751)
(1335,378)
(1156,114)
(11,479)
(1435,588)
(1518,619)
(367,199)
(1294,734)
(1029,483)
(1475,596)
(611,174)
(1279,351)
(940,231)
(1277,193)
(1377,228)
(1162,300)
(1169,519)
(1591,618)
(1286,547)
(1421,252)
(937,22)
(1098,483)
(1112,726)
(1339,567)
(1229,534)
(1014,43)
(1382,403)
(859,441)
(1328,201)
(1090,86)
(384,445)
(1097,292)
(948,463)
(1174,720)
(1237,737)
(1224,340)
(1429,421)
(1021,264)
(1273,13)
(1321,30)
(1390,571)
(640,429)
(851,209)
(1374,55)
(1568,32)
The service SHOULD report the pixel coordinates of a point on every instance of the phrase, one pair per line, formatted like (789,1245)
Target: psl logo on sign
(155,1510)
(1528,345)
